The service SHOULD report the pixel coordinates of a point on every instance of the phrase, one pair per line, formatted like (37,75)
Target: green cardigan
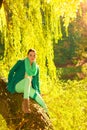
(17,73)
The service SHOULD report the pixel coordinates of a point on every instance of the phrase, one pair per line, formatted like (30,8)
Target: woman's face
(32,56)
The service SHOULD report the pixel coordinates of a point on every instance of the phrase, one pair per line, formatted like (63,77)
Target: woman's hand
(30,77)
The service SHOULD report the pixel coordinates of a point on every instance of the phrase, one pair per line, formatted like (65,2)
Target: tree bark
(10,109)
(1,1)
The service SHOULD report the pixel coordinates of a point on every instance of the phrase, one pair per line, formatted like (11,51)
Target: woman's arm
(13,70)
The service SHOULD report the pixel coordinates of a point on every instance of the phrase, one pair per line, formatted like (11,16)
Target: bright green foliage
(3,125)
(68,104)
(33,24)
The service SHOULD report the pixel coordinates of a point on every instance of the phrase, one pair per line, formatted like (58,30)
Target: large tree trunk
(1,1)
(10,109)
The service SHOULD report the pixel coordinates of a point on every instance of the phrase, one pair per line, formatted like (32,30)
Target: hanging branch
(1,2)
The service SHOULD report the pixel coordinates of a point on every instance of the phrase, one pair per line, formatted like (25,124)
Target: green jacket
(17,73)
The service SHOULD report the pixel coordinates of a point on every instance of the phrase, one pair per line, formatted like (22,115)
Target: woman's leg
(24,87)
(36,96)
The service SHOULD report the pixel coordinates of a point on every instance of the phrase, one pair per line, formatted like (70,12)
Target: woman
(24,78)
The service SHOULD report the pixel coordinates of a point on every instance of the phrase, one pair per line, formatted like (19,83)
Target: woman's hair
(31,50)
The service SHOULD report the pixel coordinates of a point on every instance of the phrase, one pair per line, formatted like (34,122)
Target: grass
(67,103)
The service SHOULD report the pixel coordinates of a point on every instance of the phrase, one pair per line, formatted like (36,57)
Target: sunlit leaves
(35,24)
(67,104)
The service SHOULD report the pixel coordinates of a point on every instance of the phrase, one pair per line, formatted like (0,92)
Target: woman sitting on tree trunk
(24,78)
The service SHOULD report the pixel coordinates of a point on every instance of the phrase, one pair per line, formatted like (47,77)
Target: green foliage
(67,48)
(32,24)
(68,72)
(84,68)
(3,125)
(73,46)
(67,102)
(64,52)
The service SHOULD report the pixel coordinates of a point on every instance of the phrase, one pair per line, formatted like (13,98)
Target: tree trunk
(1,1)
(10,109)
